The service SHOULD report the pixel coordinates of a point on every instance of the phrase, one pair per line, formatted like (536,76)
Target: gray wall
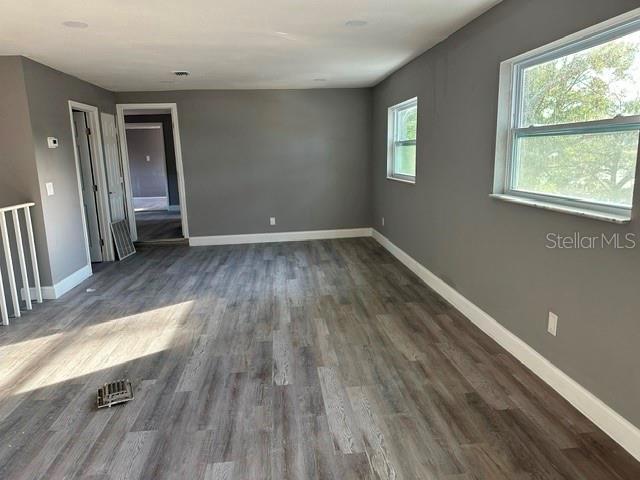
(19,179)
(148,176)
(302,156)
(169,150)
(492,252)
(18,173)
(48,93)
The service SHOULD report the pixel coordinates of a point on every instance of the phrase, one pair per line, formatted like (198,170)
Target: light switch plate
(552,326)
(49,187)
(52,142)
(272,220)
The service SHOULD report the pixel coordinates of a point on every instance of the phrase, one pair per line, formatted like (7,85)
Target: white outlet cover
(272,220)
(552,326)
(49,187)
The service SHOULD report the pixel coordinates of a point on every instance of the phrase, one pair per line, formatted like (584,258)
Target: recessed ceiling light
(75,24)
(181,73)
(356,23)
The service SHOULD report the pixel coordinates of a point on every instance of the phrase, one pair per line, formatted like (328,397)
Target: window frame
(510,109)
(392,143)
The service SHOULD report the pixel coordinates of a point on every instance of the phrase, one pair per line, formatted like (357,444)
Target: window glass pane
(407,121)
(594,84)
(598,167)
(405,160)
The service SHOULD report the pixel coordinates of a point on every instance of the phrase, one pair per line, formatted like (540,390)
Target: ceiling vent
(181,73)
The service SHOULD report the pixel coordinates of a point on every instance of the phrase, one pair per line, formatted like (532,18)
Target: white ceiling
(135,45)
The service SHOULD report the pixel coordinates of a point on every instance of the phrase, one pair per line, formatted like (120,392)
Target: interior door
(89,186)
(115,181)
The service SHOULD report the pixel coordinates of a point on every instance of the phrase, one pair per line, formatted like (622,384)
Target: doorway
(92,188)
(152,163)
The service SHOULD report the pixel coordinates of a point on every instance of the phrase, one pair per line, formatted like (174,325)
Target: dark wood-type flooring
(158,225)
(309,360)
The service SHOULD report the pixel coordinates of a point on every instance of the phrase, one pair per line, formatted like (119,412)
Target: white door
(115,182)
(89,186)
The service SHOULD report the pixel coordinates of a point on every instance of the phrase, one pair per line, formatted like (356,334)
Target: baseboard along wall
(607,419)
(53,292)
(278,237)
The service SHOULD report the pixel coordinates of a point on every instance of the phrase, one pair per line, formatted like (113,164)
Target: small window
(401,157)
(569,126)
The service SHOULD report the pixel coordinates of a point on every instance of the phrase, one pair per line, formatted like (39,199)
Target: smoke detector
(181,73)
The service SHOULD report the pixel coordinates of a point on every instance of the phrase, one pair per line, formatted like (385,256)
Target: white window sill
(402,180)
(580,212)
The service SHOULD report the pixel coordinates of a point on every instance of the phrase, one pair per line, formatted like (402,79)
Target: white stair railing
(22,261)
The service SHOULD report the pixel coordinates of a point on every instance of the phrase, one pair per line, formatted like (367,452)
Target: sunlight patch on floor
(67,355)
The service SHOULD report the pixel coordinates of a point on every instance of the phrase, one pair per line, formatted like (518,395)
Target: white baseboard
(611,422)
(278,237)
(52,292)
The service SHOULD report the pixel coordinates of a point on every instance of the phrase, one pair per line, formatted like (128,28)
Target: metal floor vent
(113,393)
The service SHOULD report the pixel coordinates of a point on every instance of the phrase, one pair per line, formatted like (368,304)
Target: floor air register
(113,393)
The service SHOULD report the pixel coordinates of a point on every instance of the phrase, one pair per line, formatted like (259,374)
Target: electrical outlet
(382,221)
(272,220)
(552,326)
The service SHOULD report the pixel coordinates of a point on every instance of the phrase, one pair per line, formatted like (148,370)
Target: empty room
(344,240)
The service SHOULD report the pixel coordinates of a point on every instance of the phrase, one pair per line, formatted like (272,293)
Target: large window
(570,123)
(402,125)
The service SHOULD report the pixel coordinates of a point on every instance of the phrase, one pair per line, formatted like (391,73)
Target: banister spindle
(32,250)
(21,259)
(4,314)
(10,272)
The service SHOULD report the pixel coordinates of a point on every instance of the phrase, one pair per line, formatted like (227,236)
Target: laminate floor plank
(319,360)
(158,225)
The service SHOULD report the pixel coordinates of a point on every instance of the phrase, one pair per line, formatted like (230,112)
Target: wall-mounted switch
(272,220)
(552,325)
(382,221)
(49,187)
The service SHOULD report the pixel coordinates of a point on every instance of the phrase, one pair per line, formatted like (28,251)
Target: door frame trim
(173,108)
(97,160)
